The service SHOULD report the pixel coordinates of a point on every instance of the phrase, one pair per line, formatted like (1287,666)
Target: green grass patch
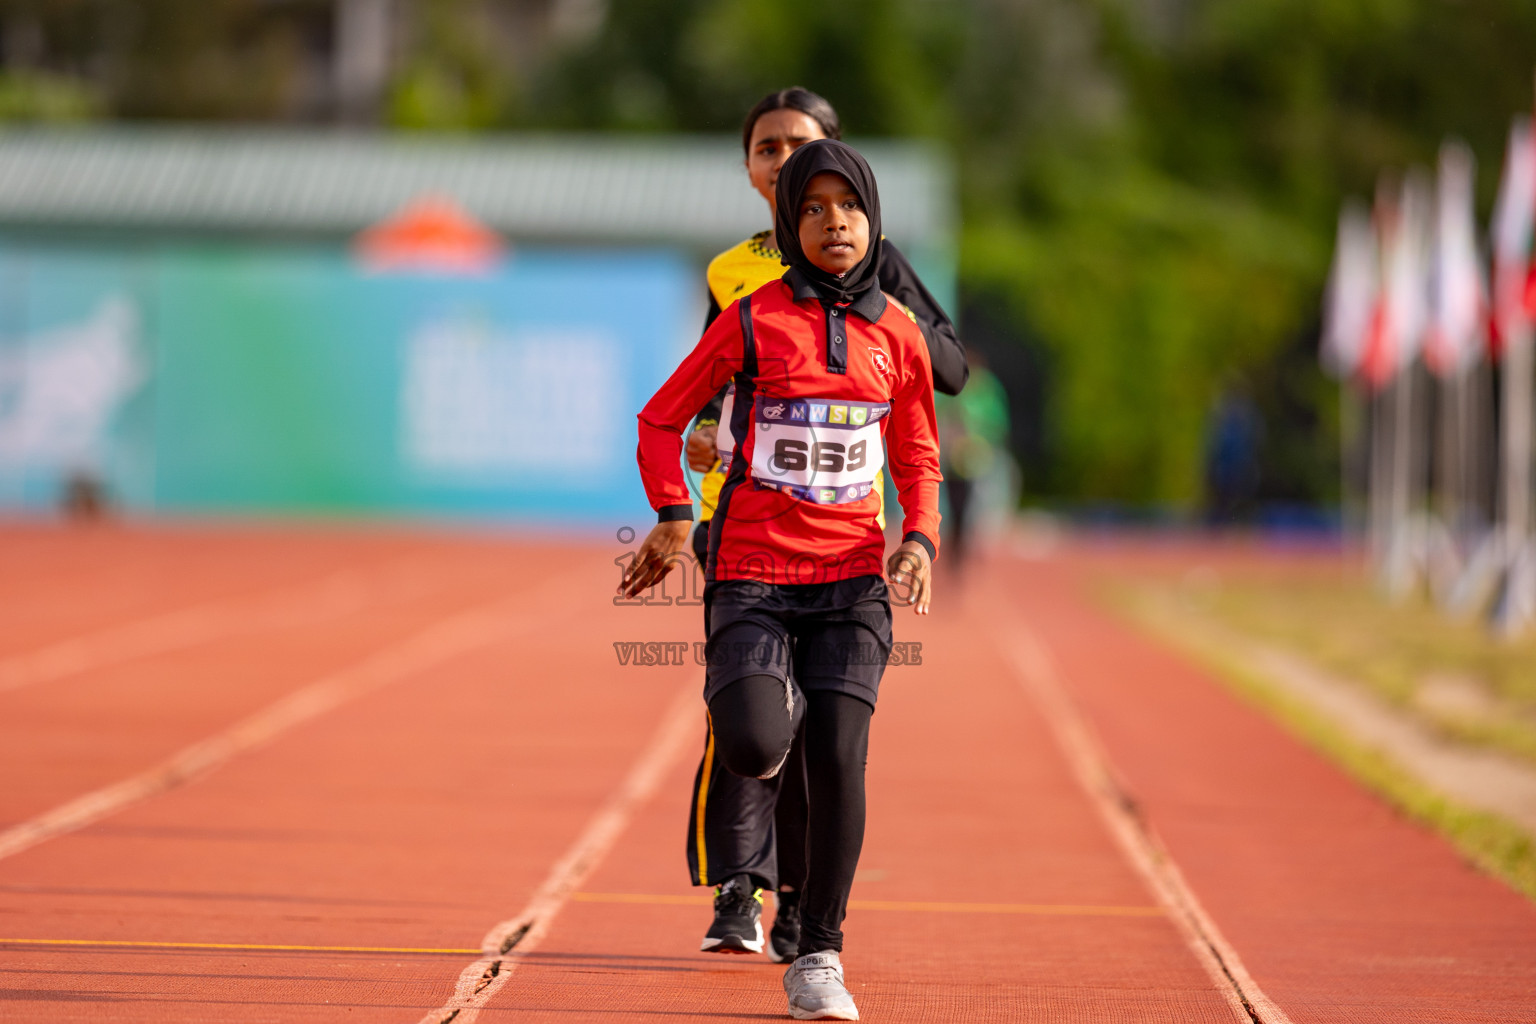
(1454,675)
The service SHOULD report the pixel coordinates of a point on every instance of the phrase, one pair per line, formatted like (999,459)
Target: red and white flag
(1350,302)
(1513,215)
(1402,309)
(1459,288)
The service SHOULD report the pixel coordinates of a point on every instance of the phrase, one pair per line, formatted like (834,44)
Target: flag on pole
(1513,215)
(1350,301)
(1402,308)
(1459,288)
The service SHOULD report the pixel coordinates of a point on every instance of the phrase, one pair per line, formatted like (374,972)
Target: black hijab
(805,163)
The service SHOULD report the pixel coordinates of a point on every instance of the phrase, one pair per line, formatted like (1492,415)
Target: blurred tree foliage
(160,59)
(452,77)
(1149,187)
(41,97)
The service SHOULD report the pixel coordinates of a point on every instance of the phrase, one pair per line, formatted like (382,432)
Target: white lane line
(481,980)
(1038,673)
(438,643)
(328,597)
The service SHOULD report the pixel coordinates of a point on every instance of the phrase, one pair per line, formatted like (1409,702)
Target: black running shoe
(784,936)
(738,925)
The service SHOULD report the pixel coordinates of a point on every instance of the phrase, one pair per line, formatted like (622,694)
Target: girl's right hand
(657,556)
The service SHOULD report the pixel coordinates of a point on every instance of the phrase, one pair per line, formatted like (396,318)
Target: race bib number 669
(819,450)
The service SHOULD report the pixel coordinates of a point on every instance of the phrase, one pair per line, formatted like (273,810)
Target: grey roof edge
(628,188)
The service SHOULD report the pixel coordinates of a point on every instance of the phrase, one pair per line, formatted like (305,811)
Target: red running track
(300,740)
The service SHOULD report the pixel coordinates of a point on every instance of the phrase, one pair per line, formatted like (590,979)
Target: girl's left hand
(701,450)
(910,571)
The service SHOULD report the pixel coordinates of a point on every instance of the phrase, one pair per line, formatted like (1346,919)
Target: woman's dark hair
(793,98)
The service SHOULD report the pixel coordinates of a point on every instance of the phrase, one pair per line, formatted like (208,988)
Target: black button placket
(837,339)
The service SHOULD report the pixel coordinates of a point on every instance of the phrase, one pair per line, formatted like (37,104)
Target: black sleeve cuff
(922,539)
(673,513)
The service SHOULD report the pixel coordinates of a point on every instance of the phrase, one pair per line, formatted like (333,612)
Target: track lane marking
(446,639)
(1037,672)
(927,907)
(1044,909)
(252,946)
(325,597)
(481,980)
(662,899)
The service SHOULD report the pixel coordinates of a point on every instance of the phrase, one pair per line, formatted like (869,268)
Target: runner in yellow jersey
(748,835)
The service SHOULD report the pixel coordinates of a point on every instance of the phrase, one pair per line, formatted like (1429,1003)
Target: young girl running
(747,835)
(828,379)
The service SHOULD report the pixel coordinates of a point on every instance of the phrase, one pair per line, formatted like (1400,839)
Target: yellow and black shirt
(741,270)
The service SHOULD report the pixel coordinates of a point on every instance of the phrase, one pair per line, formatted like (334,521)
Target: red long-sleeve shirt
(830,384)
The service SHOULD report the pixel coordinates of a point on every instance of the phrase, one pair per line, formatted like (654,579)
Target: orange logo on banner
(432,233)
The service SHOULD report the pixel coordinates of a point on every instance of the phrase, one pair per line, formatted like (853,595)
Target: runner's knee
(754,725)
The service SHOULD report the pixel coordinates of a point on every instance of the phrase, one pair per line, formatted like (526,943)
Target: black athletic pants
(755,723)
(742,826)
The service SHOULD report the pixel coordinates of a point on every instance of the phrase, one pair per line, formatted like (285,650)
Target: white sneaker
(814,984)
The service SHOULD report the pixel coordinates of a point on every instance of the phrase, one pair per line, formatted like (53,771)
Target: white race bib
(825,451)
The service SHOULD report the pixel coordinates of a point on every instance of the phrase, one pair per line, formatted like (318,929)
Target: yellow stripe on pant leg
(703,801)
(880,493)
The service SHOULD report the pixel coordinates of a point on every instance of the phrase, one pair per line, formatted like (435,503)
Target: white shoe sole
(851,1013)
(737,945)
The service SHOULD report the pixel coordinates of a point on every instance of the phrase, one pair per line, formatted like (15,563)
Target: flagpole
(1398,577)
(1482,572)
(1380,481)
(1349,340)
(1483,446)
(1403,208)
(1445,444)
(1352,432)
(1460,472)
(1515,609)
(1442,550)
